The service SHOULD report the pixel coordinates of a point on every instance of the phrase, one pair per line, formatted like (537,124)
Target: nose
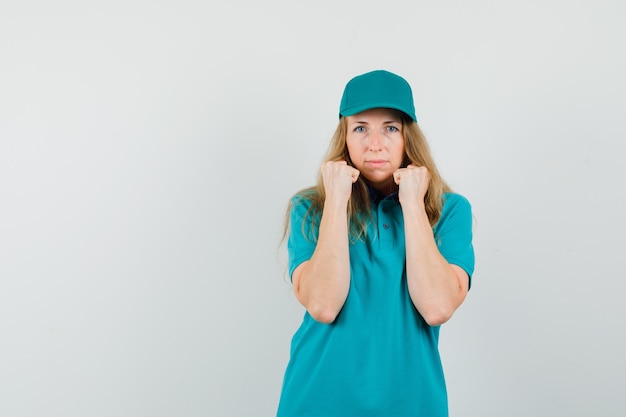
(376,141)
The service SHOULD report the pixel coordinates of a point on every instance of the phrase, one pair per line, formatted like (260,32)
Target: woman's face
(376,146)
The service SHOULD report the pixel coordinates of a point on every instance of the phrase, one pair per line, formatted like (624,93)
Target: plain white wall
(148,150)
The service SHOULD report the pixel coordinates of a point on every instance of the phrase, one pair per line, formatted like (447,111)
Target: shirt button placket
(386,236)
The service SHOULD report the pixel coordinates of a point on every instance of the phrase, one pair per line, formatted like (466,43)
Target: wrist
(413,205)
(335,203)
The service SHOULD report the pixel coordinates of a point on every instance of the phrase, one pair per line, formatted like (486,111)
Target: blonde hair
(417,152)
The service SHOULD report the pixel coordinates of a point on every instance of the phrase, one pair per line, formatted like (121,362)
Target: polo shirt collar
(376,196)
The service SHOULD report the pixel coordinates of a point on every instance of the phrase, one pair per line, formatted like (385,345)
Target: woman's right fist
(338,178)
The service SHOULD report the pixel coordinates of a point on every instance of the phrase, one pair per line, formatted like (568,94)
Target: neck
(386,188)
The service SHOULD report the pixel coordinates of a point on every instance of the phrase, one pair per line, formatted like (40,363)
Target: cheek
(399,151)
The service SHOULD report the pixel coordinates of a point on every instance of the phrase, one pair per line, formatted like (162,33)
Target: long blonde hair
(417,152)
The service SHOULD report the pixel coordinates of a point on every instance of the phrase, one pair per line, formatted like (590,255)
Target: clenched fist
(338,178)
(413,182)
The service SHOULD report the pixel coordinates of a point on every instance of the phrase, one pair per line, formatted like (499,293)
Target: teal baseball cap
(377,89)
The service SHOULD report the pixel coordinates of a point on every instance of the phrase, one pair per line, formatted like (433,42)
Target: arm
(437,288)
(321,284)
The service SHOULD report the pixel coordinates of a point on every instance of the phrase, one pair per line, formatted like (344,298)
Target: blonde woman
(380,255)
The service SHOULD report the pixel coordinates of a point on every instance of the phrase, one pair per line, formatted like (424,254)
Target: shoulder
(302,200)
(456,208)
(305,206)
(454,201)
(303,219)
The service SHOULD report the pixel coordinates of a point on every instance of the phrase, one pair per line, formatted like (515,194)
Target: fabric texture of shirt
(379,357)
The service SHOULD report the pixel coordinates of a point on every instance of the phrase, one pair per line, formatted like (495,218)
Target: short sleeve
(302,235)
(453,232)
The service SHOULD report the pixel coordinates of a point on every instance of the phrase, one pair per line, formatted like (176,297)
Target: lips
(376,163)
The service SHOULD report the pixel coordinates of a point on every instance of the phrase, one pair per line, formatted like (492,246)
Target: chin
(380,182)
(379,178)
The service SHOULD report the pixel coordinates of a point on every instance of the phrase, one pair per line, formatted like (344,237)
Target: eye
(392,129)
(359,129)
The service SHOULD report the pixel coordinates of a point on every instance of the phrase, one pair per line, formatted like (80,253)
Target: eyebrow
(365,122)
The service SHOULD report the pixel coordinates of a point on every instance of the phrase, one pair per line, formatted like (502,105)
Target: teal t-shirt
(379,357)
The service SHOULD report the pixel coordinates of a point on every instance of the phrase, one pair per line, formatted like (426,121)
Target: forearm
(435,286)
(324,280)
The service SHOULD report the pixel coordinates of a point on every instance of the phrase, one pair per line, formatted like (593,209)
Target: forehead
(384,114)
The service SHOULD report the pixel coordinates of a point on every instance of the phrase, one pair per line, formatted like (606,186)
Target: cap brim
(358,109)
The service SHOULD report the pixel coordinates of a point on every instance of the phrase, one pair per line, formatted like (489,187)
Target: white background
(148,150)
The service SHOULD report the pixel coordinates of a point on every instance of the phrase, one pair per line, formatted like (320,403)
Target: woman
(380,255)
